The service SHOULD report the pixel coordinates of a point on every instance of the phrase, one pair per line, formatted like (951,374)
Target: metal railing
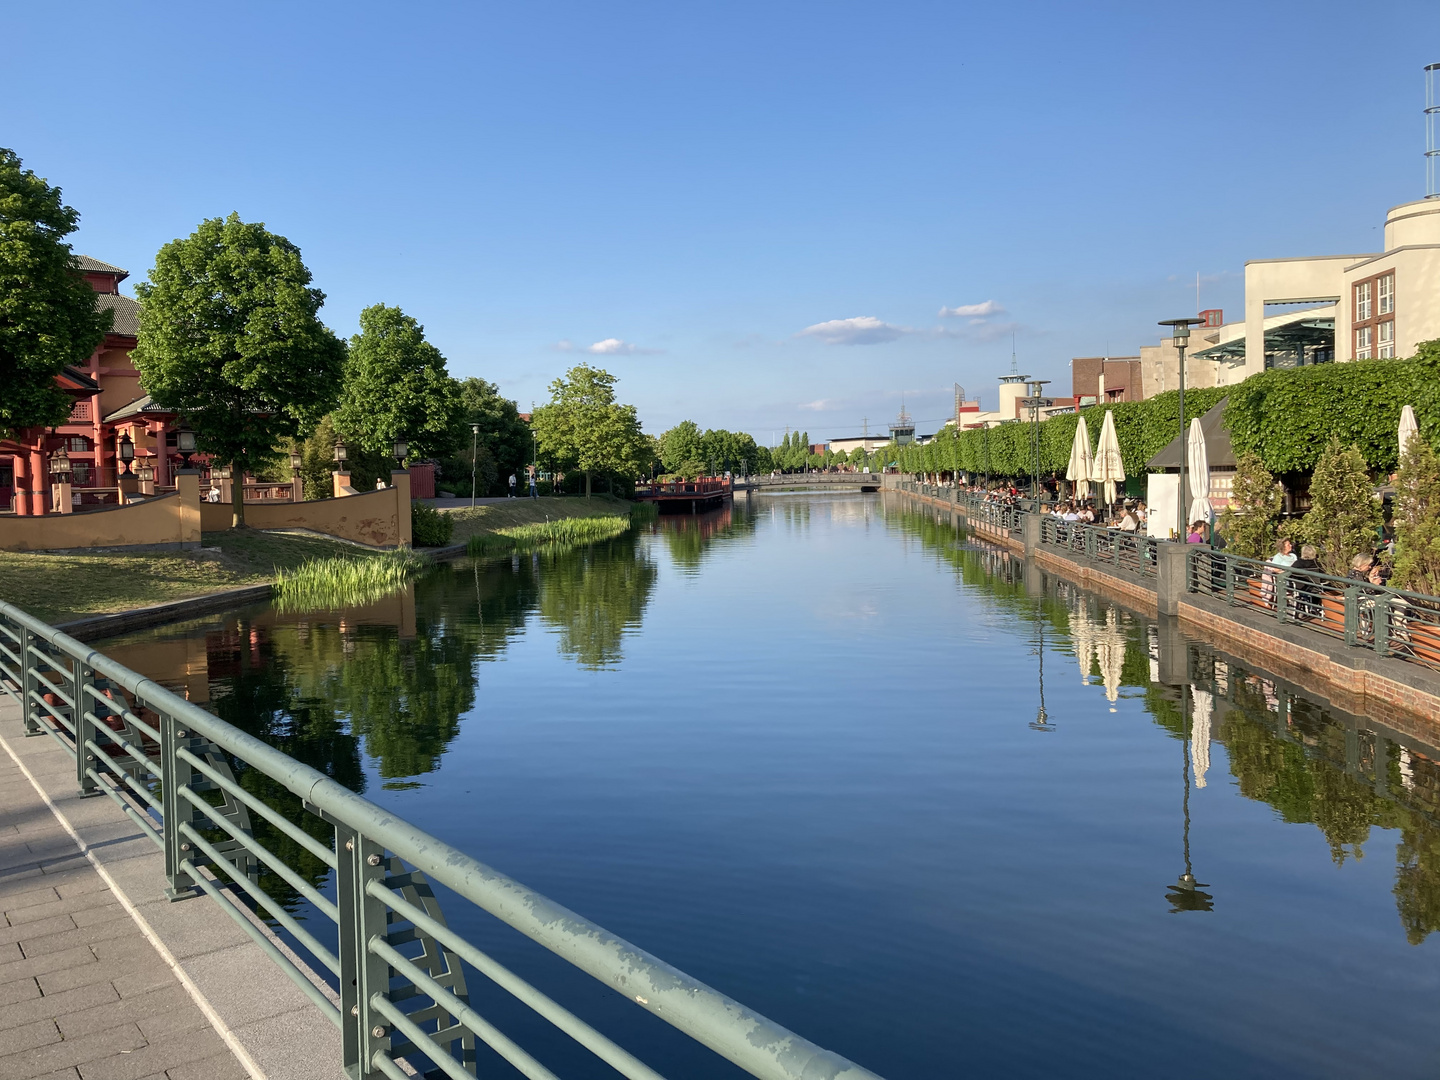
(398,966)
(1391,622)
(1132,551)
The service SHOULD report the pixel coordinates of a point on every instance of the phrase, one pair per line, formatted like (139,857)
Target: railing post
(1229,580)
(175,774)
(1380,619)
(358,862)
(84,729)
(27,683)
(1352,615)
(1282,590)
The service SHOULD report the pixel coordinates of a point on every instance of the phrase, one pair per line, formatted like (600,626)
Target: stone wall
(172,520)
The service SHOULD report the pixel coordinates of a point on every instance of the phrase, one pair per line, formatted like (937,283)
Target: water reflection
(1310,761)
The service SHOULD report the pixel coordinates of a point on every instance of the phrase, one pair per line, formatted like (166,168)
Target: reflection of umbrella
(1108,469)
(1200,740)
(1081,462)
(1199,459)
(1408,427)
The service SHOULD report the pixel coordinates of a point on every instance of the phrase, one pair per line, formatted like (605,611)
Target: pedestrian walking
(512,485)
(534,493)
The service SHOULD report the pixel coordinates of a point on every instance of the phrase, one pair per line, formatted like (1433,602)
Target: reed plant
(563,532)
(341,581)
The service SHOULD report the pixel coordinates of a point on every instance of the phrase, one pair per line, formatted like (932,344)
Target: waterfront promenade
(101,977)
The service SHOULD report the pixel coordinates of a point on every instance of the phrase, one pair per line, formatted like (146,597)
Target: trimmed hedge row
(1286,416)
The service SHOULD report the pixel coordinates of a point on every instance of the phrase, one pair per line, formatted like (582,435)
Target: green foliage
(1344,517)
(571,531)
(1248,523)
(1417,520)
(584,428)
(231,339)
(688,452)
(429,527)
(793,453)
(396,387)
(501,447)
(323,584)
(49,315)
(592,602)
(1288,416)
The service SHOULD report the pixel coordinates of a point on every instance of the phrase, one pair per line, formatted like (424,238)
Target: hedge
(1285,415)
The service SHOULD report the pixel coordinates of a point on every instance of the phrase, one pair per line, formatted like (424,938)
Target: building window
(1362,301)
(1385,288)
(80,473)
(1386,339)
(77,444)
(1362,343)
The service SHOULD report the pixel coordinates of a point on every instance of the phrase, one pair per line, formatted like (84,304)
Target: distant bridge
(827,480)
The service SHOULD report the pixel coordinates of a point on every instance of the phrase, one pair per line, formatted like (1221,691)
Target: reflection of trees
(594,596)
(1312,765)
(689,536)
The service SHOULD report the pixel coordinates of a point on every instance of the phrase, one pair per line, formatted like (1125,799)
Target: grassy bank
(61,587)
(345,580)
(494,518)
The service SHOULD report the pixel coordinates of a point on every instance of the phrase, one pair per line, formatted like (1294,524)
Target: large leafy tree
(49,316)
(1344,517)
(582,427)
(680,446)
(501,447)
(396,387)
(231,339)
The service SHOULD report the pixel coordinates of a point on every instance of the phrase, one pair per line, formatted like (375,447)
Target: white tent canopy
(1081,462)
(1199,461)
(1108,469)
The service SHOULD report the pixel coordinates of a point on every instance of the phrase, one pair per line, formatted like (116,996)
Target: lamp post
(126,452)
(401,449)
(1035,403)
(474,458)
(185,443)
(1180,334)
(297,481)
(340,452)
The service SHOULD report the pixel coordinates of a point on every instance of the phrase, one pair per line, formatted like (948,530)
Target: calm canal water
(798,750)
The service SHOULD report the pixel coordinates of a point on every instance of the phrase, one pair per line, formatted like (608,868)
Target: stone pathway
(83,992)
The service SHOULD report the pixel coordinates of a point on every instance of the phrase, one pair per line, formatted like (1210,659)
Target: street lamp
(1180,334)
(401,450)
(340,452)
(1035,403)
(60,466)
(127,452)
(185,443)
(474,458)
(296,460)
(145,472)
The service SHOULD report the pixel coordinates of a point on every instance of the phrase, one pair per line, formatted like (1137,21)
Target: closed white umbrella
(1078,471)
(1200,739)
(1108,469)
(1408,427)
(1199,458)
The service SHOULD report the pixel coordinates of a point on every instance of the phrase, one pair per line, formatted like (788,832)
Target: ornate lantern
(340,451)
(402,449)
(127,452)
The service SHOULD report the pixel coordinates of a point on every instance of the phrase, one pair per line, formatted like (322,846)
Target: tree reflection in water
(1311,762)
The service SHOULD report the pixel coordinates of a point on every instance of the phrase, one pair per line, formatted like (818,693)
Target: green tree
(396,387)
(49,314)
(1248,523)
(1417,519)
(583,428)
(231,339)
(1344,516)
(502,446)
(679,445)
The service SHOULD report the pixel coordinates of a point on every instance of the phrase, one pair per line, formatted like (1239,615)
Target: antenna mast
(1432,131)
(1014,368)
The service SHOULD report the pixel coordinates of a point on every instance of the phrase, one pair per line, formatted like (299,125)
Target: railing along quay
(1132,551)
(398,966)
(1389,622)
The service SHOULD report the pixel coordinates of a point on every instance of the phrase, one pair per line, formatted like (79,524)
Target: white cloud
(564,345)
(615,347)
(862,330)
(973,311)
(819,405)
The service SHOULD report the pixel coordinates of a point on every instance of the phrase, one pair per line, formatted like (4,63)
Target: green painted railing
(398,966)
(1132,551)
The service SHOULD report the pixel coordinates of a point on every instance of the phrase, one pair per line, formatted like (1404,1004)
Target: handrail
(428,1016)
(1132,551)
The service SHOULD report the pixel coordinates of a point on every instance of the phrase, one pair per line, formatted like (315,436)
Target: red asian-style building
(109,404)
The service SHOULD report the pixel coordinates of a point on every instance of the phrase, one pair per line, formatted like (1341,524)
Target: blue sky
(679,192)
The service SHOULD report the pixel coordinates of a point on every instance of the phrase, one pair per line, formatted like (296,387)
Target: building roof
(95,266)
(1218,450)
(138,407)
(127,313)
(75,379)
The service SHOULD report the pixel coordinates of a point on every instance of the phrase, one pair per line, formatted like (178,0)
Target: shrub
(428,526)
(1417,520)
(1248,523)
(1344,518)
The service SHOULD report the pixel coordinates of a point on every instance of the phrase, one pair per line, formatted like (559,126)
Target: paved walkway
(101,978)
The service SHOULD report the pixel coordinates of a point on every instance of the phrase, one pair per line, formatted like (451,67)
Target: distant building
(902,429)
(1096,379)
(848,443)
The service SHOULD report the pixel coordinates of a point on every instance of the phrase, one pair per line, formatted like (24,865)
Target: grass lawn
(480,520)
(57,588)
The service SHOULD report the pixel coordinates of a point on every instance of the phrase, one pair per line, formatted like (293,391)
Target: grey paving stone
(27,1036)
(161,1056)
(72,1052)
(100,913)
(120,1010)
(10,952)
(224,1067)
(40,965)
(143,980)
(295,1044)
(76,935)
(36,928)
(18,990)
(57,1005)
(227,979)
(73,906)
(25,894)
